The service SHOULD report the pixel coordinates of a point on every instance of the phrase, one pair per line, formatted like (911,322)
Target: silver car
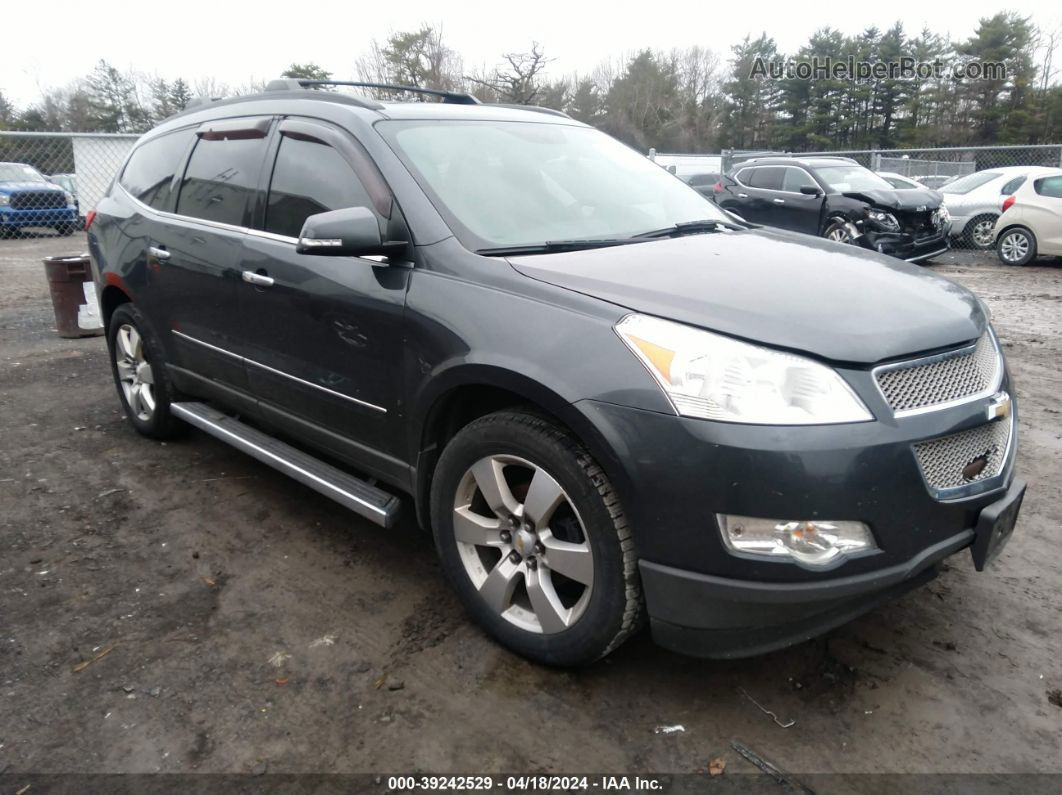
(975,201)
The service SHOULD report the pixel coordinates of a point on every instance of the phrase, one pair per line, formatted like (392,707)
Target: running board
(364,499)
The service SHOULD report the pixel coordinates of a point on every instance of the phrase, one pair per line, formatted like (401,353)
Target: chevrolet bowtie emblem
(999,406)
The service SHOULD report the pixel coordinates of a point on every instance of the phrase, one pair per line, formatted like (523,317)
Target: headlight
(884,220)
(69,198)
(714,377)
(4,200)
(811,543)
(943,214)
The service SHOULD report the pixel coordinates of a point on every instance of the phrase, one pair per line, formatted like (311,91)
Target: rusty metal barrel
(77,309)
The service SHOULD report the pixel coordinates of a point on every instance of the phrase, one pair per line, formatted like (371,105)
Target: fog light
(808,542)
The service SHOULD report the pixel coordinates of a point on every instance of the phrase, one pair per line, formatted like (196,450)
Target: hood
(914,200)
(23,187)
(782,289)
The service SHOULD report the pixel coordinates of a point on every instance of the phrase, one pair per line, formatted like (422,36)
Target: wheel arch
(111,298)
(468,392)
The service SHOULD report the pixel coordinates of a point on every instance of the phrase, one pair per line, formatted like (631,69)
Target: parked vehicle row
(837,198)
(605,397)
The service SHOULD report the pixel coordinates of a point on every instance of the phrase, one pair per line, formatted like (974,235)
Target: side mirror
(808,190)
(349,232)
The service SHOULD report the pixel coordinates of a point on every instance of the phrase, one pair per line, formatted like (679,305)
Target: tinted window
(1049,186)
(797,178)
(149,172)
(221,177)
(767,177)
(1012,186)
(309,178)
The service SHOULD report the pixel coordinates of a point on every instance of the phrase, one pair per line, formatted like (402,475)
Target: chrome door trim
(275,371)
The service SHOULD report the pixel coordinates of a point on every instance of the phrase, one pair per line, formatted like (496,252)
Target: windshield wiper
(687,228)
(553,246)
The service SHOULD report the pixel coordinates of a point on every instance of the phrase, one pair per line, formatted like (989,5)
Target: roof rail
(294,83)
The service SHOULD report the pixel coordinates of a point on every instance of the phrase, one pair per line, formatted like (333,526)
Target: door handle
(779,201)
(257,279)
(158,253)
(743,195)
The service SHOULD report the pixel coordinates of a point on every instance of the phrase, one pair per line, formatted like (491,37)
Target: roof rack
(295,83)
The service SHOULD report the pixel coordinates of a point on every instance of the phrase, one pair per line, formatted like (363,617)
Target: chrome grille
(942,460)
(958,375)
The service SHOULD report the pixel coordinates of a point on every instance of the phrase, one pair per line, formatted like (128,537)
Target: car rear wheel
(534,540)
(66,229)
(838,232)
(980,232)
(140,374)
(1016,247)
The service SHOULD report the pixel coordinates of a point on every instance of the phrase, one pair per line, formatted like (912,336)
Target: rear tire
(550,570)
(837,231)
(979,233)
(65,230)
(1016,246)
(140,374)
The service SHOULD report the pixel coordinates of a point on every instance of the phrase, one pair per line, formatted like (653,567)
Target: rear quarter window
(149,172)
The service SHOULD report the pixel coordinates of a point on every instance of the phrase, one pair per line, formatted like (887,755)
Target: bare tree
(519,79)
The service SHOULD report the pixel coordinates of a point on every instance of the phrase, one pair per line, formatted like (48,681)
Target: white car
(974,201)
(900,182)
(1031,222)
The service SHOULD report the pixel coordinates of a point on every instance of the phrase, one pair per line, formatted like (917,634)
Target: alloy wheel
(1014,247)
(523,544)
(134,372)
(839,235)
(982,233)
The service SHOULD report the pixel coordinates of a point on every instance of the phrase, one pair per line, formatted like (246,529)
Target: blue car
(27,198)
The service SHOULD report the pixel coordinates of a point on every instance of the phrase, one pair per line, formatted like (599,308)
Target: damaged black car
(837,198)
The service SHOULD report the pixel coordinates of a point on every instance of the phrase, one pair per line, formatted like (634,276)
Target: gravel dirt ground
(181,608)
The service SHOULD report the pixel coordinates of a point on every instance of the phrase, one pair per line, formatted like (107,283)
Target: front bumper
(675,474)
(906,246)
(51,217)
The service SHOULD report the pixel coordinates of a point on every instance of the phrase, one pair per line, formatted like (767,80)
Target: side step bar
(365,500)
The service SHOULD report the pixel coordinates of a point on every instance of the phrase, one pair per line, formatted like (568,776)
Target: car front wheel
(1016,247)
(534,540)
(838,232)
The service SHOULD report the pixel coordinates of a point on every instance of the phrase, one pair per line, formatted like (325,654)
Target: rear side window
(149,172)
(767,178)
(1049,186)
(1011,186)
(221,178)
(309,178)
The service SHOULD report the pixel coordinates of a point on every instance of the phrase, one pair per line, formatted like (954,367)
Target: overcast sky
(48,44)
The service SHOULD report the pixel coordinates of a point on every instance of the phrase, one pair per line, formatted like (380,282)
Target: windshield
(851,178)
(527,183)
(970,181)
(18,172)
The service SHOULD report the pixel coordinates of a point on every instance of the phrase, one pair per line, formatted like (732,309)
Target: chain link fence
(934,168)
(51,180)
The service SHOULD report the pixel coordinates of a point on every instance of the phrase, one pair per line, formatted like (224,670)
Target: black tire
(1016,246)
(836,226)
(972,236)
(158,423)
(613,607)
(66,230)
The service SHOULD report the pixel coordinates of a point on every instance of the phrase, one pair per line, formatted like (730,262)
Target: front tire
(140,375)
(1016,247)
(533,538)
(837,231)
(980,232)
(65,230)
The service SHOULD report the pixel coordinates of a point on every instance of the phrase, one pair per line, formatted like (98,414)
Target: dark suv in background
(836,198)
(603,396)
